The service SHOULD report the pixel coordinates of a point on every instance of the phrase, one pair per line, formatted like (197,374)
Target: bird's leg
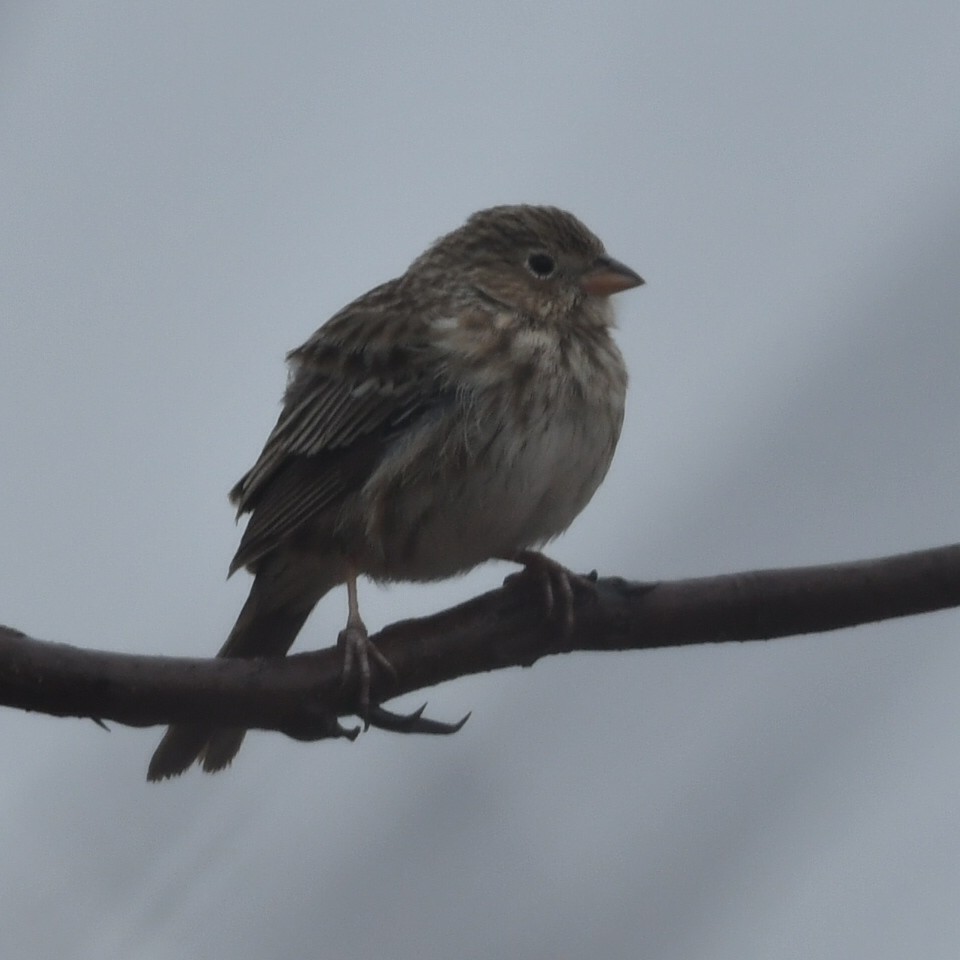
(358,649)
(557,585)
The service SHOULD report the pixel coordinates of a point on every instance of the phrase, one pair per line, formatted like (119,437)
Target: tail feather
(221,748)
(281,598)
(180,746)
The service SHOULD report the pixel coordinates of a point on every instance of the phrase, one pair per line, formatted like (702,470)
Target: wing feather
(344,401)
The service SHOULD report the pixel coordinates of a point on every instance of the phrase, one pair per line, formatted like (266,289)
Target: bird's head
(538,262)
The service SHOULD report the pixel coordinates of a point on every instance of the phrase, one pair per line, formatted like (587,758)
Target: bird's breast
(506,465)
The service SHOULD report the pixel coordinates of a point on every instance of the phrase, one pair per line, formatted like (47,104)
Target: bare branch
(300,694)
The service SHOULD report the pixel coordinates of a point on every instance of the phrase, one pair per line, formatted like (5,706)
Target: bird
(464,411)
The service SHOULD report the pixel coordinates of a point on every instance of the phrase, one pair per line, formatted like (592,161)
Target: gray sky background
(188,190)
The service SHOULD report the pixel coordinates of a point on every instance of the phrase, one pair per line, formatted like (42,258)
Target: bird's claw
(416,722)
(319,725)
(557,585)
(338,730)
(358,650)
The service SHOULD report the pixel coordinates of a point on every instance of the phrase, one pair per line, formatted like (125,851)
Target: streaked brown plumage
(464,411)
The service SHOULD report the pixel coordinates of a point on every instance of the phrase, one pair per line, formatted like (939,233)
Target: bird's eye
(541,264)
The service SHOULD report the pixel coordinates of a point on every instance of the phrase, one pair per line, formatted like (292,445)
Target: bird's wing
(349,392)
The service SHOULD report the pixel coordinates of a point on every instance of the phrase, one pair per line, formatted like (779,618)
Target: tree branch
(300,694)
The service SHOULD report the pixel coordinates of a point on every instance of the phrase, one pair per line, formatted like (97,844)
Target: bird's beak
(607,276)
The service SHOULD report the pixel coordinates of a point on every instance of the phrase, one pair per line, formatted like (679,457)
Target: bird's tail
(283,594)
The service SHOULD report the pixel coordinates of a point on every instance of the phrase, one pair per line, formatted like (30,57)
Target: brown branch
(504,628)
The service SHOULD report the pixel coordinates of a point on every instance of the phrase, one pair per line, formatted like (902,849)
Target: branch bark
(503,628)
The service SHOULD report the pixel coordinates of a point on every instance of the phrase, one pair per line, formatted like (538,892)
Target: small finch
(462,412)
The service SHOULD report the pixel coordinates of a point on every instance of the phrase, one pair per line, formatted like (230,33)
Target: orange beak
(608,276)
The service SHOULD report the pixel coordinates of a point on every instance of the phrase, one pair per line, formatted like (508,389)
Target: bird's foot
(358,650)
(415,722)
(557,585)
